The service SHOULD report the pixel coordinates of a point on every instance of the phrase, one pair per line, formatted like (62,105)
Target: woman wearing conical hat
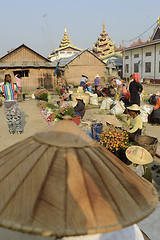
(140,158)
(134,121)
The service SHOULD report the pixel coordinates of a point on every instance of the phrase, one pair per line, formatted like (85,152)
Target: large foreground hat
(134,107)
(61,182)
(139,155)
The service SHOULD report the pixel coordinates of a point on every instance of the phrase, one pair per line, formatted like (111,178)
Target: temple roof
(156,32)
(65,61)
(65,44)
(104,45)
(65,40)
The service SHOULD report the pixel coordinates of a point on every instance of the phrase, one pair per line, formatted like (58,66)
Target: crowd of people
(116,89)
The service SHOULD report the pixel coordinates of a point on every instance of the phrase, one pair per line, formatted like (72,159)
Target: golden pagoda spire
(104,29)
(65,40)
(104,45)
(158,21)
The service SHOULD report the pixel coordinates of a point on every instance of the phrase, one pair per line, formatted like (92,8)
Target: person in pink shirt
(19,85)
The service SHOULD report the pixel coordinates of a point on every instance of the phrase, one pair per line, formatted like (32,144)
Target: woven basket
(147,142)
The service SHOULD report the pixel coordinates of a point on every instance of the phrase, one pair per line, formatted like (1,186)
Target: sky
(39,24)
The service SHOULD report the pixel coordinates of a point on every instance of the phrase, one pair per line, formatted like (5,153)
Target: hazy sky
(39,24)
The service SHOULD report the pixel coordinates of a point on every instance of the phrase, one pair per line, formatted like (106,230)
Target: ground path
(32,122)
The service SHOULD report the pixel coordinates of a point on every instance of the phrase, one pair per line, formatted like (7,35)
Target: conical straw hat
(60,182)
(138,155)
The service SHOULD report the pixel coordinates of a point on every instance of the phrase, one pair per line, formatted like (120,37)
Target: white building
(144,58)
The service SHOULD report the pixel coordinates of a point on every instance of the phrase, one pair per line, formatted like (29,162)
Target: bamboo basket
(60,182)
(147,142)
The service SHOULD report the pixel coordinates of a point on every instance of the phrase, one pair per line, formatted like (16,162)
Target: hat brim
(84,76)
(131,108)
(79,98)
(144,158)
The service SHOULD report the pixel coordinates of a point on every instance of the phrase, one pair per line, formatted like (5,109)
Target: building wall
(154,59)
(36,78)
(85,64)
(64,53)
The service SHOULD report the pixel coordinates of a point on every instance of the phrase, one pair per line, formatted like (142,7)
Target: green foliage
(51,105)
(120,117)
(41,94)
(91,107)
(26,93)
(57,90)
(65,111)
(100,99)
(102,112)
(146,100)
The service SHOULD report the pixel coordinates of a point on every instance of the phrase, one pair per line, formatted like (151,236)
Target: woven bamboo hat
(79,97)
(60,182)
(139,155)
(134,107)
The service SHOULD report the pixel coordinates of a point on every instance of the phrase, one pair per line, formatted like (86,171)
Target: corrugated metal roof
(115,61)
(26,64)
(64,61)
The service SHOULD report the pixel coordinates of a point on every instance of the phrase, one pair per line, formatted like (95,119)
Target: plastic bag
(144,116)
(117,109)
(147,109)
(93,99)
(106,103)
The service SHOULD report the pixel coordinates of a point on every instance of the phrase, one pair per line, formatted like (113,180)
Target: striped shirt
(9,90)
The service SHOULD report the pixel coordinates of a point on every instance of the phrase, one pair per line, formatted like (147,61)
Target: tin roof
(142,45)
(64,61)
(26,64)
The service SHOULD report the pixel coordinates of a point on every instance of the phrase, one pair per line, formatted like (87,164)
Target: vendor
(105,89)
(134,121)
(80,107)
(62,90)
(83,81)
(154,117)
(118,87)
(135,88)
(88,87)
(140,158)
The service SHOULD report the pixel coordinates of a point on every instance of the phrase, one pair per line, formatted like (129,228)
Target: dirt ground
(33,122)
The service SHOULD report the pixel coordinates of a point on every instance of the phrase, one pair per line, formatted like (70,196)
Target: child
(11,106)
(19,85)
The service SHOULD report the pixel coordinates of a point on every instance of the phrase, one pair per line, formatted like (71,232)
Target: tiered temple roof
(104,45)
(65,40)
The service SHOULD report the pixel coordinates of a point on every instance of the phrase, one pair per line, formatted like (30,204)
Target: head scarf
(136,77)
(157,104)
